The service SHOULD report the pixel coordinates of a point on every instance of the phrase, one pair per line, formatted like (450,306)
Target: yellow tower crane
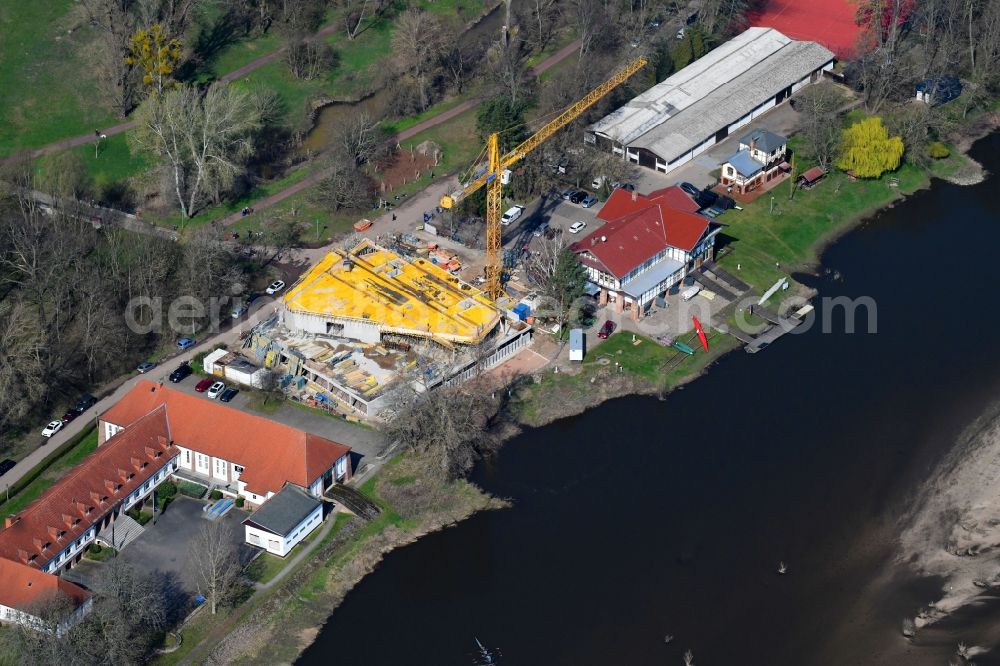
(497,171)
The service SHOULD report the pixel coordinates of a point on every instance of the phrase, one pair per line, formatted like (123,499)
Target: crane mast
(496,164)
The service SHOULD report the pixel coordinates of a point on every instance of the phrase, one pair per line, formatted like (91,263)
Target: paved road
(118,388)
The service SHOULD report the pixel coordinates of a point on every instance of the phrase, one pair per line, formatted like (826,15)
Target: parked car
(6,465)
(275,287)
(70,415)
(203,385)
(239,311)
(185,343)
(540,229)
(512,214)
(579,196)
(655,23)
(597,182)
(252,296)
(577,227)
(570,193)
(229,394)
(606,330)
(589,201)
(680,33)
(689,188)
(52,428)
(182,371)
(85,402)
(145,367)
(215,390)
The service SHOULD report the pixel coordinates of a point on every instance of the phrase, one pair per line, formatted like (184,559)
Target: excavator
(497,172)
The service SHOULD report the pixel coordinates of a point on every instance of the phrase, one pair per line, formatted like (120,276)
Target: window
(187,457)
(238,468)
(272,544)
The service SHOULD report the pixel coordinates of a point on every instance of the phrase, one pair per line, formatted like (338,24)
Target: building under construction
(360,322)
(371,292)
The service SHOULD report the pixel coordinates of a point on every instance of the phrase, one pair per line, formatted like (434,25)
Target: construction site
(365,321)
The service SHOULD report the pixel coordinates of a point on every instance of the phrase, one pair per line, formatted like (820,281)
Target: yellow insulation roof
(408,297)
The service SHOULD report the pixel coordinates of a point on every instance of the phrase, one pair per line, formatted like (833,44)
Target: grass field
(69,460)
(45,93)
(768,246)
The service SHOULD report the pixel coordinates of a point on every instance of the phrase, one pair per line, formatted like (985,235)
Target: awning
(659,272)
(591,289)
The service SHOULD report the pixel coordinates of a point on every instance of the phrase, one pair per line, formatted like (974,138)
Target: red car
(606,330)
(203,385)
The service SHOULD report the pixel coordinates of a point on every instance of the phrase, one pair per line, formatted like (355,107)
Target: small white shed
(284,520)
(576,344)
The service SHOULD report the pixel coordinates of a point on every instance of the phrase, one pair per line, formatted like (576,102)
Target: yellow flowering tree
(157,54)
(867,150)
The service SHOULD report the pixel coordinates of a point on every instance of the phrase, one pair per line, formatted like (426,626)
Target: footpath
(433,121)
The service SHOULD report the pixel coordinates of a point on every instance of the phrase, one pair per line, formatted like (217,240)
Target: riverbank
(297,609)
(277,625)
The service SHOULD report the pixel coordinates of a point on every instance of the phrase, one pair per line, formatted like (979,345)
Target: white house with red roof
(646,246)
(239,453)
(24,589)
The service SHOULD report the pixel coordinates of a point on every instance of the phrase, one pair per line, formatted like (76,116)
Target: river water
(643,518)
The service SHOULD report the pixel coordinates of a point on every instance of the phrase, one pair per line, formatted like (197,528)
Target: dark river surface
(643,518)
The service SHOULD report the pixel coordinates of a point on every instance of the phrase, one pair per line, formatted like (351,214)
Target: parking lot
(365,443)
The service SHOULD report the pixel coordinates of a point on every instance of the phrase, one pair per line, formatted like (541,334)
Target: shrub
(215,495)
(239,502)
(191,489)
(94,548)
(165,494)
(938,150)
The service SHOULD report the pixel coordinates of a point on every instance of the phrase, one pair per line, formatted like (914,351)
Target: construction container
(576,344)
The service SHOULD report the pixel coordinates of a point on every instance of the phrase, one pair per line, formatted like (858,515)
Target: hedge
(47,461)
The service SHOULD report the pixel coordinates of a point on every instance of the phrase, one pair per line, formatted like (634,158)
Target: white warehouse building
(683,116)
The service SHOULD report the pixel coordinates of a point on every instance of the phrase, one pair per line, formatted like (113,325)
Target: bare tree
(451,425)
(819,106)
(308,59)
(203,141)
(214,562)
(417,46)
(129,610)
(539,20)
(360,138)
(115,24)
(40,639)
(346,188)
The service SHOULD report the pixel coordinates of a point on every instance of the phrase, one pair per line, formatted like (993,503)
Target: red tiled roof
(639,229)
(622,202)
(270,452)
(81,498)
(20,585)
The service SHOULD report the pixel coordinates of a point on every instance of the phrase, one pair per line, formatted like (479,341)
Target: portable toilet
(576,344)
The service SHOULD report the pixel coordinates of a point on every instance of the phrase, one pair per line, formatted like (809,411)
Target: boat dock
(779,326)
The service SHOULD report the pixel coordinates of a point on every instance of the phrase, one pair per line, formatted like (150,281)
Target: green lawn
(766,246)
(45,92)
(33,490)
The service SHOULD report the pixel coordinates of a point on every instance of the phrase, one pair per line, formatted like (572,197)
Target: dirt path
(251,66)
(433,121)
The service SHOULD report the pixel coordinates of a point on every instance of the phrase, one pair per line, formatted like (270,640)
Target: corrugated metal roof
(714,91)
(745,165)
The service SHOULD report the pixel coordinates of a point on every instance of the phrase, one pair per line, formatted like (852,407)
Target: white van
(597,182)
(690,292)
(512,214)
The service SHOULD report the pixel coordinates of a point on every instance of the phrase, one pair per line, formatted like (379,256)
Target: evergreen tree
(500,115)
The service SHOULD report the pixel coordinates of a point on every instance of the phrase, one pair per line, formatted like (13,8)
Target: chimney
(753,143)
(10,521)
(635,196)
